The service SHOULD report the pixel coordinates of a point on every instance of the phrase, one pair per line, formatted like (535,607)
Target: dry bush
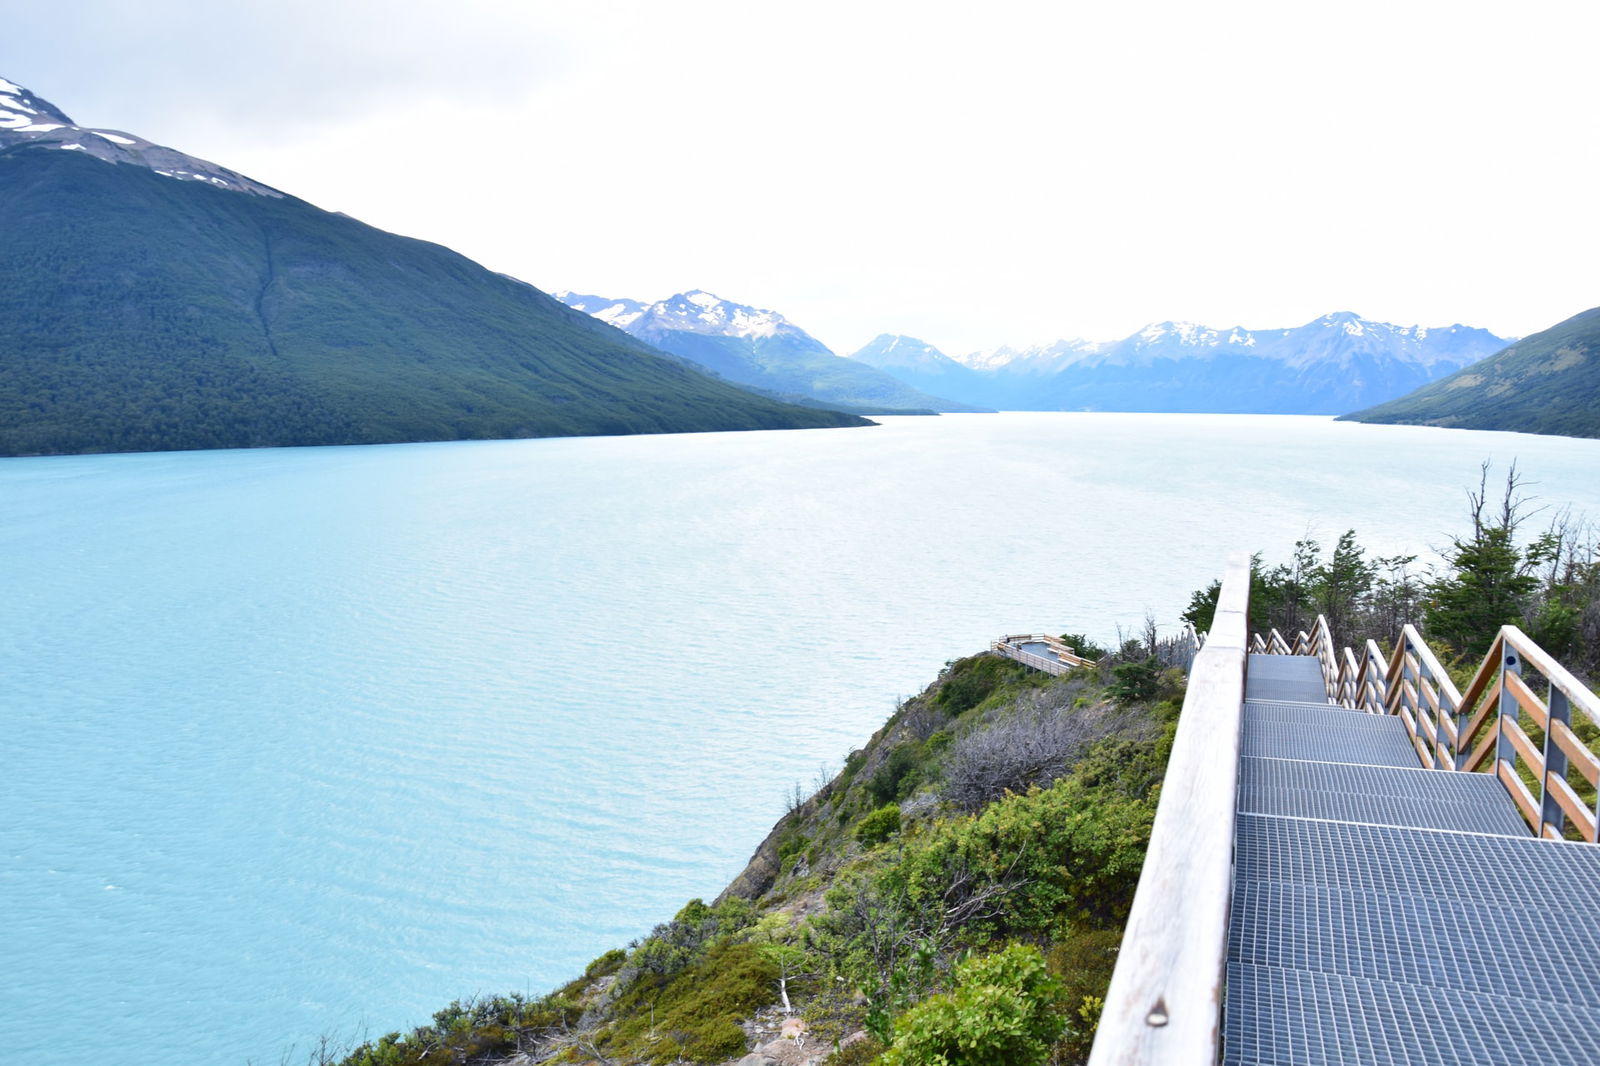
(1034,745)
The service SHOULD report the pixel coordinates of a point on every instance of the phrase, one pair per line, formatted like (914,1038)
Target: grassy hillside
(989,836)
(141,313)
(1546,383)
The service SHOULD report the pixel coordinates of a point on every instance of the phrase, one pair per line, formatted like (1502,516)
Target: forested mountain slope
(144,310)
(1546,383)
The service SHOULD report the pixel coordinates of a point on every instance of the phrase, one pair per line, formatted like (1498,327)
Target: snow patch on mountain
(1057,354)
(896,352)
(695,311)
(706,312)
(32,120)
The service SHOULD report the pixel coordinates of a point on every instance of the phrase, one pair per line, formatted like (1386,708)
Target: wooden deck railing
(1165,1001)
(1543,755)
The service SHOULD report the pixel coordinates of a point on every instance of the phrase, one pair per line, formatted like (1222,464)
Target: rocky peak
(27,120)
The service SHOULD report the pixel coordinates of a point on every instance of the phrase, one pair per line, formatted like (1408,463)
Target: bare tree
(794,799)
(1514,505)
(1033,746)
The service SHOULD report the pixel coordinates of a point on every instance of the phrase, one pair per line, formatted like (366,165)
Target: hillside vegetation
(1546,383)
(963,880)
(143,313)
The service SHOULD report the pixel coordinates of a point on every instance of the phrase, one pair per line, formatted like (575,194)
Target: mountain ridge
(26,118)
(1548,382)
(1327,366)
(150,308)
(760,348)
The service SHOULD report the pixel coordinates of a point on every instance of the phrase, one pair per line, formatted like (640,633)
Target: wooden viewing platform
(1330,882)
(1040,651)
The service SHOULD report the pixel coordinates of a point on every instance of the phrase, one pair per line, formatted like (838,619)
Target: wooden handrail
(1164,1005)
(1481,729)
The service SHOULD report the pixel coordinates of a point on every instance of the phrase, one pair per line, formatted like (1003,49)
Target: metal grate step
(1378,795)
(1283,730)
(1361,943)
(1392,862)
(1432,942)
(1285,677)
(1314,1019)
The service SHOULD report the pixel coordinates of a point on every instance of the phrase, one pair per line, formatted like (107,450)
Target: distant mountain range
(1329,366)
(761,349)
(1545,383)
(155,301)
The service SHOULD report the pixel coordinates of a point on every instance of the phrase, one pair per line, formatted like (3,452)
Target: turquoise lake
(314,741)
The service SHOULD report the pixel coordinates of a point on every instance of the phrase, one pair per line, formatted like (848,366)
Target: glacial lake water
(314,741)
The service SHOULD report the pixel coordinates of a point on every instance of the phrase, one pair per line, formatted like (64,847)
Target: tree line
(1504,570)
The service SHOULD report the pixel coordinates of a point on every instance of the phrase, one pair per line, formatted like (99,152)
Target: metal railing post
(1555,763)
(1505,753)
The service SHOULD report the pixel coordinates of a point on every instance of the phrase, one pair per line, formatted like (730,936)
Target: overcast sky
(971,173)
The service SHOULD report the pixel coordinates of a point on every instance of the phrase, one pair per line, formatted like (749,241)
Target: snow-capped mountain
(1336,363)
(619,313)
(147,306)
(29,119)
(758,347)
(695,311)
(1039,359)
(888,350)
(920,365)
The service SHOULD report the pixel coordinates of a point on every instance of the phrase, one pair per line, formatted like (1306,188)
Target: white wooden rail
(1164,1007)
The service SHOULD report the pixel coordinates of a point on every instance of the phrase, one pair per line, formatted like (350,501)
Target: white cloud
(971,174)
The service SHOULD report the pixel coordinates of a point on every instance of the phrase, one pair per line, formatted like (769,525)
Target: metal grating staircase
(1383,913)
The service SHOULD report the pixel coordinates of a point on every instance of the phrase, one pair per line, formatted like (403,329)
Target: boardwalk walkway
(1354,862)
(1385,913)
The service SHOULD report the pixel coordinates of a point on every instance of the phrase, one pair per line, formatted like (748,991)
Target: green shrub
(968,682)
(1083,963)
(898,774)
(1136,682)
(715,1040)
(879,826)
(1057,857)
(1004,1011)
(1084,646)
(606,964)
(790,845)
(674,945)
(695,1013)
